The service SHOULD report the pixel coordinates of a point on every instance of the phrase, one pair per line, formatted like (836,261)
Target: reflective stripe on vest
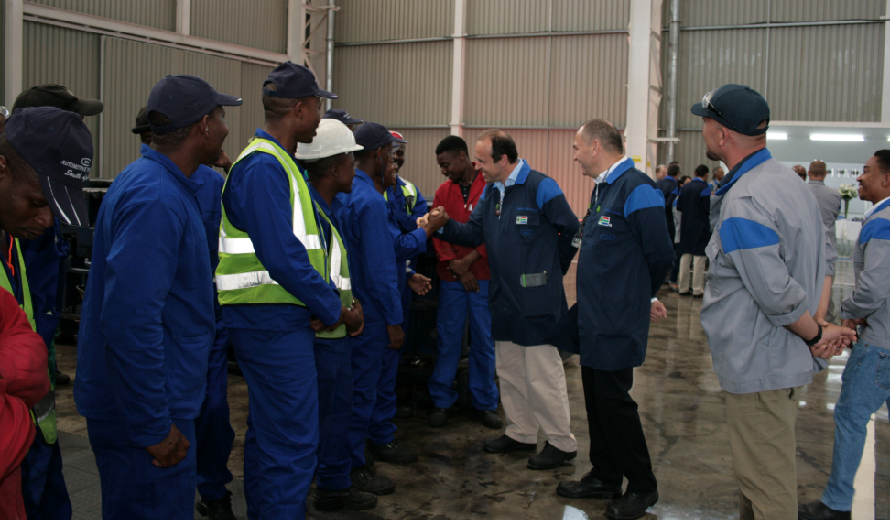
(241,278)
(339,269)
(27,306)
(410,192)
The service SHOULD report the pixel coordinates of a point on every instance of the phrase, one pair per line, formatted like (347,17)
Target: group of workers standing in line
(299,259)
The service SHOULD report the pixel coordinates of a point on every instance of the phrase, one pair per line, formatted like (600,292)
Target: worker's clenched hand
(170,451)
(435,220)
(355,320)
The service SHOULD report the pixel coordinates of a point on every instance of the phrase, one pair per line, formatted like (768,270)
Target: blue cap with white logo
(737,107)
(185,100)
(59,147)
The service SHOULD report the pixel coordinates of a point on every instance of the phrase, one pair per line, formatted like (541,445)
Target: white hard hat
(331,138)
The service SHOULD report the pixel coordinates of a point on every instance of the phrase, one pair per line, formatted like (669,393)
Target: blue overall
(213,431)
(333,361)
(274,344)
(398,207)
(147,326)
(364,216)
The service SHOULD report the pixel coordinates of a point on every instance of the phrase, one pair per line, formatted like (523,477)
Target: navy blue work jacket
(670,189)
(366,229)
(210,186)
(399,207)
(147,322)
(529,250)
(257,200)
(694,205)
(625,254)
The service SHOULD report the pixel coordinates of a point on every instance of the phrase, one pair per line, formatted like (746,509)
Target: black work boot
(588,487)
(550,457)
(631,506)
(505,444)
(439,417)
(392,453)
(350,498)
(490,419)
(216,509)
(819,511)
(364,478)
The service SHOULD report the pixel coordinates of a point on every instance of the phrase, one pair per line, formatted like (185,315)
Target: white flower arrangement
(848,191)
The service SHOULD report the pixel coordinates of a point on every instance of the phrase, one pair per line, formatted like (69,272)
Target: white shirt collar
(872,209)
(605,175)
(511,179)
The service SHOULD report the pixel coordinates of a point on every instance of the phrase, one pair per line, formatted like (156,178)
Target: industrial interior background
(537,68)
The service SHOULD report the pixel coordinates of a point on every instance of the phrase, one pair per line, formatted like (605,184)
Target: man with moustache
(147,323)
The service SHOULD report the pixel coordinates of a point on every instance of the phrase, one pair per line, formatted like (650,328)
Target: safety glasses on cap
(706,103)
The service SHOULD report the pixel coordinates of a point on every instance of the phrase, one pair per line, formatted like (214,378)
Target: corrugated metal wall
(160,14)
(400,84)
(65,57)
(602,15)
(252,79)
(382,20)
(528,16)
(261,24)
(821,10)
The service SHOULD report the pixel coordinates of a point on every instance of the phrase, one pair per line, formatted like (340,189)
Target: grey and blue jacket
(768,264)
(871,267)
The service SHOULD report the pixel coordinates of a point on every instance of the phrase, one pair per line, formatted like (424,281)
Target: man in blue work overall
(148,323)
(213,431)
(625,253)
(329,162)
(272,281)
(694,205)
(527,227)
(377,260)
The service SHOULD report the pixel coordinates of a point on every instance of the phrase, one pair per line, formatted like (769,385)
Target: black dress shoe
(632,505)
(819,511)
(439,417)
(392,453)
(351,499)
(490,419)
(550,457)
(216,509)
(364,478)
(588,487)
(504,444)
(62,379)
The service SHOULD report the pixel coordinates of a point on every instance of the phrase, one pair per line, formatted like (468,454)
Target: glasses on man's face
(706,103)
(4,112)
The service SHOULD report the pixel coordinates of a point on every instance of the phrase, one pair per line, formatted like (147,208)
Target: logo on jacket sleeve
(605,221)
(522,220)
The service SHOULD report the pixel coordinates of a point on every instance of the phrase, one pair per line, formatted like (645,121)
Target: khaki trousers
(761,437)
(533,392)
(698,274)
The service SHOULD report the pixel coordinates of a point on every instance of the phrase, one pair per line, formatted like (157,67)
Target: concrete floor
(682,414)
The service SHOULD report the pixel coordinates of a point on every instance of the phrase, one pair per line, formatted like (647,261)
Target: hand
(396,336)
(469,281)
(826,351)
(435,220)
(419,284)
(315,324)
(835,337)
(355,320)
(657,311)
(170,451)
(460,266)
(223,162)
(423,222)
(343,312)
(852,323)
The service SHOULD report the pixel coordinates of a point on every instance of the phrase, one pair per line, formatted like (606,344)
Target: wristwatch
(816,339)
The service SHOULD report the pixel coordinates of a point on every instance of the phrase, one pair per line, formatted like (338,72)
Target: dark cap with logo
(185,99)
(342,116)
(59,97)
(374,135)
(737,107)
(293,81)
(59,147)
(141,122)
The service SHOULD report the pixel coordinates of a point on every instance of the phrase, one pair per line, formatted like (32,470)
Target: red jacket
(23,382)
(448,196)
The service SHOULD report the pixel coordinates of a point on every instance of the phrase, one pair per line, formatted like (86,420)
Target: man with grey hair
(660,172)
(768,258)
(829,208)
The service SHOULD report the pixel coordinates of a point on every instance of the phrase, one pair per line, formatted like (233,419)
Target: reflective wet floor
(683,417)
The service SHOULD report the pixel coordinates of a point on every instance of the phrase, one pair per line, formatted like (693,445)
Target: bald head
(604,132)
(817,171)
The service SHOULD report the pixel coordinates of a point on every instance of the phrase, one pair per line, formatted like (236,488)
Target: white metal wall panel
(64,57)
(822,10)
(709,59)
(826,73)
(261,24)
(381,20)
(588,79)
(602,15)
(508,16)
(401,84)
(160,14)
(420,159)
(507,82)
(698,13)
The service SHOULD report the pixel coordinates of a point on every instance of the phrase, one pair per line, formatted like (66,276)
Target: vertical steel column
(457,66)
(13,38)
(885,95)
(638,81)
(184,16)
(673,70)
(329,58)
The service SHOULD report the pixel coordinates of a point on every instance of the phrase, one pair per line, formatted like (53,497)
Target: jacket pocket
(190,358)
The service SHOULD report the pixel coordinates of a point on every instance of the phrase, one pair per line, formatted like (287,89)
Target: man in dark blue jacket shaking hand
(527,227)
(625,253)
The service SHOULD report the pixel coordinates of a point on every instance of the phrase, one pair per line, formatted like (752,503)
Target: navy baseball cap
(737,107)
(342,116)
(374,135)
(141,122)
(57,96)
(185,99)
(59,147)
(294,81)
